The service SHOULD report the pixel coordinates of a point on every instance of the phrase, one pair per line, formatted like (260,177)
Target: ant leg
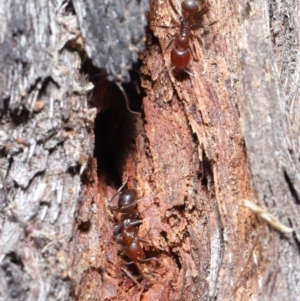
(118,191)
(188,72)
(129,276)
(133,223)
(170,69)
(139,221)
(164,26)
(196,37)
(122,186)
(201,13)
(129,262)
(193,50)
(174,9)
(205,27)
(170,43)
(144,241)
(213,23)
(143,260)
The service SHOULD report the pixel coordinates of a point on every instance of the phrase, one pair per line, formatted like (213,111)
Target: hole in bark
(114,125)
(73,170)
(296,240)
(84,226)
(70,8)
(40,241)
(204,181)
(248,9)
(114,137)
(19,115)
(132,269)
(176,259)
(4,104)
(205,172)
(3,152)
(13,268)
(14,258)
(179,208)
(164,235)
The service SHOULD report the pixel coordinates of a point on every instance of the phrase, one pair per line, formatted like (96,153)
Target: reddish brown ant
(180,54)
(126,232)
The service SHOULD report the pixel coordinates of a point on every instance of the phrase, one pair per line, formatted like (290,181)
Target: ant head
(127,201)
(190,7)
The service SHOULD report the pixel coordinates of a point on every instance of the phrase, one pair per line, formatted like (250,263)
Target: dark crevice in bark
(4,105)
(73,170)
(84,226)
(292,189)
(13,269)
(114,133)
(176,258)
(19,116)
(297,241)
(115,129)
(207,179)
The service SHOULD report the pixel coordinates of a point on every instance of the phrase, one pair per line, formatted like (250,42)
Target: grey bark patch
(114,33)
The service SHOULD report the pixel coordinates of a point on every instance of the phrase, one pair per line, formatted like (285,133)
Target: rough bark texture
(114,33)
(45,143)
(268,114)
(199,138)
(202,144)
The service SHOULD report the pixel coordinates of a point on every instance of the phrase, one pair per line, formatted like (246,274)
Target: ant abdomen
(180,58)
(135,252)
(132,246)
(190,7)
(180,54)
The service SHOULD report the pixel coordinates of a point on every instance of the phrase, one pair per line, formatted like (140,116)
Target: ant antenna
(122,91)
(126,99)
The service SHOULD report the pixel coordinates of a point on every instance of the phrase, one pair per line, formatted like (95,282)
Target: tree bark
(46,142)
(206,143)
(114,34)
(202,145)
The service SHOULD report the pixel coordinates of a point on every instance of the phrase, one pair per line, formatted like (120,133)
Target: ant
(180,54)
(126,232)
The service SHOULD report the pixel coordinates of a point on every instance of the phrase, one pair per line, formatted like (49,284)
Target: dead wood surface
(213,244)
(203,145)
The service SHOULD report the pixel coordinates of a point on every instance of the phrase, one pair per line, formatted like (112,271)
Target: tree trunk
(203,144)
(46,143)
